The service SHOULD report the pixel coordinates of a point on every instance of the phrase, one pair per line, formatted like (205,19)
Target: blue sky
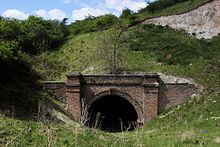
(72,9)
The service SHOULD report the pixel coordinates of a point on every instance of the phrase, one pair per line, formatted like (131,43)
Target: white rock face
(174,79)
(204,21)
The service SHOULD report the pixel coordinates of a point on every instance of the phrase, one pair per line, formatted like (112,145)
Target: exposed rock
(204,22)
(174,79)
(57,115)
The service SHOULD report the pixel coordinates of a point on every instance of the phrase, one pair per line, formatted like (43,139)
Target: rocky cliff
(204,22)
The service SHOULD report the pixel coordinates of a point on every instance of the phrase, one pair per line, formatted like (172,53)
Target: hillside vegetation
(177,127)
(170,9)
(146,48)
(129,18)
(150,49)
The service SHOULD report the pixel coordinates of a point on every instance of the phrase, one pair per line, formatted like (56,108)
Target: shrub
(91,24)
(34,34)
(162,4)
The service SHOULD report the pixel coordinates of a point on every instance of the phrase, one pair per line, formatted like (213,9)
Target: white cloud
(56,14)
(69,1)
(86,11)
(66,1)
(52,14)
(119,5)
(108,6)
(41,13)
(14,13)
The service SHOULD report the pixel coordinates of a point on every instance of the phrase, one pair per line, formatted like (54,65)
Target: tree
(126,13)
(111,48)
(64,28)
(91,24)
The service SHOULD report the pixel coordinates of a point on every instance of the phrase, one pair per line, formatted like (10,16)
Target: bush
(162,4)
(126,13)
(91,24)
(19,87)
(170,46)
(34,34)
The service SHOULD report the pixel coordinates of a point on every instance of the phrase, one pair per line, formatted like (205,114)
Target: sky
(71,9)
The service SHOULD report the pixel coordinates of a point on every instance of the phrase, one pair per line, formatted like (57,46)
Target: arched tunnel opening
(112,113)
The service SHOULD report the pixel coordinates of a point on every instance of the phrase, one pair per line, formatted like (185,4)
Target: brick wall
(174,94)
(57,89)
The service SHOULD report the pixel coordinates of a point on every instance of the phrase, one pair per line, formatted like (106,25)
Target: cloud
(69,1)
(106,7)
(14,13)
(41,13)
(66,1)
(57,14)
(119,5)
(52,14)
(82,13)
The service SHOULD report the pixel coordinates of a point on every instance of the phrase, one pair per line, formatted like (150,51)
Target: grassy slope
(147,50)
(75,55)
(177,127)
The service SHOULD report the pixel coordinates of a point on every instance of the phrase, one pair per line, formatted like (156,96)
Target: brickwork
(147,93)
(57,89)
(174,94)
(150,103)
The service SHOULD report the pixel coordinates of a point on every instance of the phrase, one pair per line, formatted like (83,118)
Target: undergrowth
(177,127)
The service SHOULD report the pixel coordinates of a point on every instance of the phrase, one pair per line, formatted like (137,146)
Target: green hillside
(146,48)
(196,123)
(150,49)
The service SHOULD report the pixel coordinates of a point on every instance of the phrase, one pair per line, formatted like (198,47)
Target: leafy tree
(35,34)
(10,29)
(64,28)
(126,13)
(19,86)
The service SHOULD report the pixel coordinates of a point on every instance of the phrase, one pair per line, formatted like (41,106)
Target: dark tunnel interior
(112,113)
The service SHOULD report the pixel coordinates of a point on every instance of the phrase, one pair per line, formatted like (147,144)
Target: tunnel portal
(112,113)
(118,100)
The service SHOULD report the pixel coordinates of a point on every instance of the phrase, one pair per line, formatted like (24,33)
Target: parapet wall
(171,94)
(57,89)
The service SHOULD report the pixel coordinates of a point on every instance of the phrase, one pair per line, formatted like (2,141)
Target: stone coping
(53,82)
(153,75)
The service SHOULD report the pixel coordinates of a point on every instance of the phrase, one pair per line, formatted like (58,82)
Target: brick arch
(146,92)
(123,95)
(141,91)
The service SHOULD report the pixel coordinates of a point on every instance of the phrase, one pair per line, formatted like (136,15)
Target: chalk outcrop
(204,22)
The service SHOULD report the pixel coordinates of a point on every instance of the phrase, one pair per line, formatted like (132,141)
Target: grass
(196,123)
(161,49)
(75,55)
(177,127)
(149,48)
